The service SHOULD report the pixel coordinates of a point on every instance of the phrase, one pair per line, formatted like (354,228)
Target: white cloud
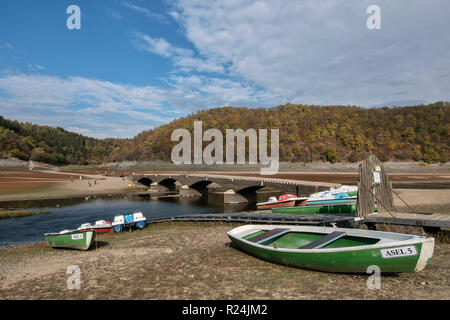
(6,45)
(152,15)
(322,52)
(184,60)
(157,46)
(35,67)
(115,14)
(81,102)
(104,109)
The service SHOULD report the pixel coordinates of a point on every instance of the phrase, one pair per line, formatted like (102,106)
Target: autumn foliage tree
(307,133)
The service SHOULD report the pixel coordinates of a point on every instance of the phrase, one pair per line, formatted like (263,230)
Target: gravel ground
(194,261)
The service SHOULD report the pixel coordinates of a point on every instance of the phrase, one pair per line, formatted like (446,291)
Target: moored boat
(136,220)
(334,249)
(285,200)
(100,226)
(345,208)
(341,195)
(72,239)
(349,200)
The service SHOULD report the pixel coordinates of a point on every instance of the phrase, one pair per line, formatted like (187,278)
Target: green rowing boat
(349,208)
(81,240)
(334,249)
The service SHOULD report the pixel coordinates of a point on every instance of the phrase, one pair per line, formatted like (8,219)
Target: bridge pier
(157,188)
(263,194)
(185,191)
(225,197)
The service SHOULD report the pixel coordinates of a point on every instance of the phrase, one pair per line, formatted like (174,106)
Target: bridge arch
(169,183)
(145,181)
(249,192)
(201,186)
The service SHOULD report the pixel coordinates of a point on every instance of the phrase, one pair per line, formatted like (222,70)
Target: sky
(134,64)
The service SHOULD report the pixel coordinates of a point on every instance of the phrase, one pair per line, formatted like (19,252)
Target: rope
(403,201)
(378,200)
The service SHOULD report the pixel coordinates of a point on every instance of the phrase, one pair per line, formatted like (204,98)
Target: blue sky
(137,64)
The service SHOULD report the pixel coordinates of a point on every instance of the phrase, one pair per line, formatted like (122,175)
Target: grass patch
(20,213)
(443,236)
(73,167)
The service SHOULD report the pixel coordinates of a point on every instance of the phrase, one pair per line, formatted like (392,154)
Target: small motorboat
(341,195)
(285,200)
(134,220)
(100,226)
(72,239)
(334,249)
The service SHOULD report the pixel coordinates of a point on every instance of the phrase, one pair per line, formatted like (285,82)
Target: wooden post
(371,191)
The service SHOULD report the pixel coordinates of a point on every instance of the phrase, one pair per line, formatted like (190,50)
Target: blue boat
(133,220)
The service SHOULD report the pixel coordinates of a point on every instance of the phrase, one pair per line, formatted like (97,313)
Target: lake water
(71,213)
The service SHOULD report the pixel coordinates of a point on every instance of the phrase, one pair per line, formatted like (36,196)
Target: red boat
(285,200)
(100,226)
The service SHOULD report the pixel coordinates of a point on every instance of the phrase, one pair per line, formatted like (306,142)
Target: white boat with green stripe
(334,249)
(72,239)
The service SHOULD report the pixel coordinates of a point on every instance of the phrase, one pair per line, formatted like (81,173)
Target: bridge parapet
(236,183)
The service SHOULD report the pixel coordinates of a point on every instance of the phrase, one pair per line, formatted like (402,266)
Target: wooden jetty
(266,218)
(435,220)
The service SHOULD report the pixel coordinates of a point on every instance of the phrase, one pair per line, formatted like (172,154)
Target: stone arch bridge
(228,188)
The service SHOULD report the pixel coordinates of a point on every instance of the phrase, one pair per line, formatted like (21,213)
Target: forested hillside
(307,133)
(52,145)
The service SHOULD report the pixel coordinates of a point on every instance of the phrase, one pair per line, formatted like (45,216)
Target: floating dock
(269,218)
(434,220)
(441,221)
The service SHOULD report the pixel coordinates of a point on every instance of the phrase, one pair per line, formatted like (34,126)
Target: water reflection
(71,213)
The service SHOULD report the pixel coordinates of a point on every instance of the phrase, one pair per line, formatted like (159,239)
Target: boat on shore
(285,200)
(100,226)
(341,195)
(71,239)
(345,208)
(339,250)
(334,201)
(312,202)
(134,220)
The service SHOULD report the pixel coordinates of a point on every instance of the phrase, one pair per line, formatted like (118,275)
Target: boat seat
(269,235)
(325,240)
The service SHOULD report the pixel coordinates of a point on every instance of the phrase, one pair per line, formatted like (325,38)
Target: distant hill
(52,145)
(307,133)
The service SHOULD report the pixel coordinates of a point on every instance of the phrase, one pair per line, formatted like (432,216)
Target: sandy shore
(25,185)
(194,261)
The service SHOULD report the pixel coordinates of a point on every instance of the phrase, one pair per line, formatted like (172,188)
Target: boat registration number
(399,252)
(77,236)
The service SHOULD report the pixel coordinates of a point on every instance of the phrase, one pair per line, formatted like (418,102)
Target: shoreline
(46,185)
(69,196)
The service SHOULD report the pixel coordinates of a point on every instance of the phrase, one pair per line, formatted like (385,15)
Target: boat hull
(285,204)
(331,201)
(321,209)
(99,230)
(81,240)
(347,260)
